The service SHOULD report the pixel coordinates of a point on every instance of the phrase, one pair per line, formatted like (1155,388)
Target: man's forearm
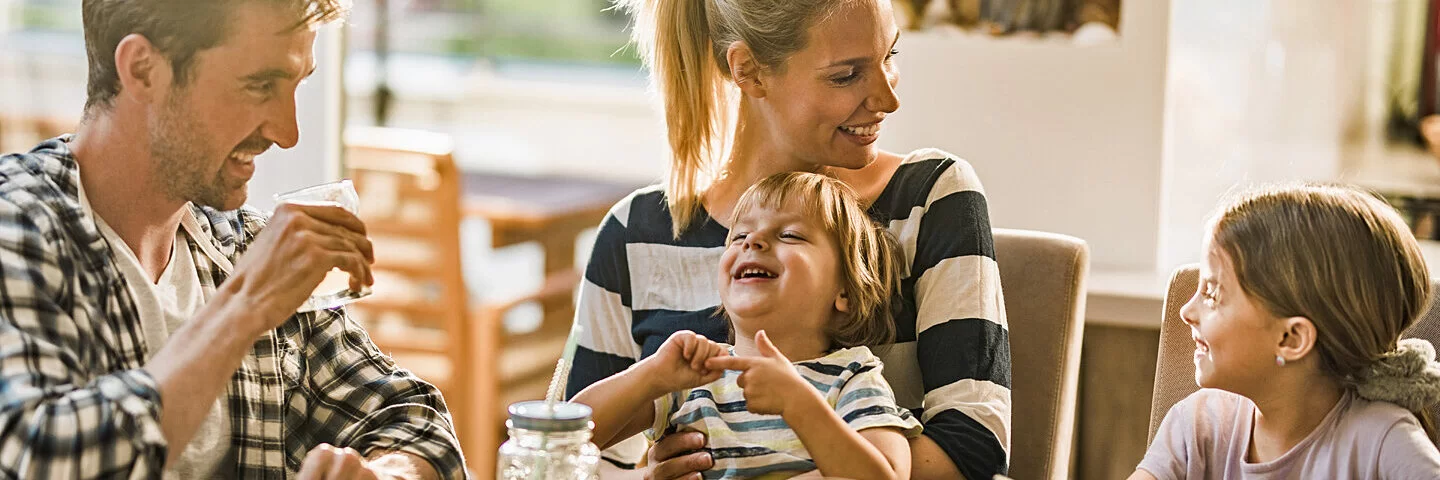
(194,366)
(401,466)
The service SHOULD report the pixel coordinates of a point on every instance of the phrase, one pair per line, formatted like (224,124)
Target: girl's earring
(1279,361)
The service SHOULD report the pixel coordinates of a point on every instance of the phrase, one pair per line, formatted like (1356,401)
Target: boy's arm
(838,450)
(622,406)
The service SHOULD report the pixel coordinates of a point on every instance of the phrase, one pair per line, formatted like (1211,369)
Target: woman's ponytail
(675,41)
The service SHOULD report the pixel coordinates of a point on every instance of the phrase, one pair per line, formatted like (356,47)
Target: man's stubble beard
(179,157)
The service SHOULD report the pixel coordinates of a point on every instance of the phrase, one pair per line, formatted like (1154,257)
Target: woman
(757,87)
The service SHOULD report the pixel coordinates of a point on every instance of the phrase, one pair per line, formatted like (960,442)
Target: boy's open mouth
(751,270)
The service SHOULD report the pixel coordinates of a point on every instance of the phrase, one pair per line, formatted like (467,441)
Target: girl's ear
(1297,338)
(842,302)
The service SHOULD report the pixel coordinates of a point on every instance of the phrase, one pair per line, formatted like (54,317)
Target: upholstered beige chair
(1043,275)
(1175,367)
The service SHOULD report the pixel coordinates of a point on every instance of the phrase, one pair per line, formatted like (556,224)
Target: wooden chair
(1043,276)
(421,313)
(1175,367)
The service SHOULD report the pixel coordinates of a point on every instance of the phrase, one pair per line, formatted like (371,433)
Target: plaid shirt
(75,401)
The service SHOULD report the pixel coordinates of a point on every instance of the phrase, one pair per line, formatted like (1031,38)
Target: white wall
(1259,91)
(1066,138)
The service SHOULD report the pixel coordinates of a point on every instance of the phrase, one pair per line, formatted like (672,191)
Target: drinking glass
(334,291)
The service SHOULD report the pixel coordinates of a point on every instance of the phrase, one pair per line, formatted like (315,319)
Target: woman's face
(825,105)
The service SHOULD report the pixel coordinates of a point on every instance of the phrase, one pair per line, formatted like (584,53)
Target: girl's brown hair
(871,262)
(684,43)
(1338,256)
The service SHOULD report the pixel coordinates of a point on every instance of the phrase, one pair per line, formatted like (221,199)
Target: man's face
(238,101)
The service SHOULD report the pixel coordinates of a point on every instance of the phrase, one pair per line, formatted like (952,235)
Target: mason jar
(549,443)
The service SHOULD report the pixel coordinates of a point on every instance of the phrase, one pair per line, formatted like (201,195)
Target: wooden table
(551,210)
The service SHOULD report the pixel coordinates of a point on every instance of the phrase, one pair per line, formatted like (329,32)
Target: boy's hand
(681,363)
(770,382)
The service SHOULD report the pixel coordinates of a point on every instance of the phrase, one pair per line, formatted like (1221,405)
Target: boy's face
(780,272)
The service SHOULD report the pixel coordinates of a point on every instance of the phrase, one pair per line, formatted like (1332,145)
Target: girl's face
(780,265)
(1235,338)
(826,104)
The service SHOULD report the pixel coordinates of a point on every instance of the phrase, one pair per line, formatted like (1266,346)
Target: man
(147,322)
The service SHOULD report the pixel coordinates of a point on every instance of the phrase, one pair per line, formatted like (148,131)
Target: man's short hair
(178,28)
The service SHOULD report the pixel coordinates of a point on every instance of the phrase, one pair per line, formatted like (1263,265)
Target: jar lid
(561,417)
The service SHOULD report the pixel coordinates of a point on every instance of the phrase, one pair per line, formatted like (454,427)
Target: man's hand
(770,382)
(294,252)
(327,462)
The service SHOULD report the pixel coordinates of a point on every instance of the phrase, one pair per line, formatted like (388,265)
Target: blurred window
(562,31)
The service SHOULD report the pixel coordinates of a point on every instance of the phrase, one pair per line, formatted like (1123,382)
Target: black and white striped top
(951,361)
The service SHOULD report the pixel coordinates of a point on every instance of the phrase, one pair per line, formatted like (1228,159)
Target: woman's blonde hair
(684,44)
(1338,256)
(871,262)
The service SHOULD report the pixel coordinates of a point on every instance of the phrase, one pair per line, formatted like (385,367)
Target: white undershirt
(163,307)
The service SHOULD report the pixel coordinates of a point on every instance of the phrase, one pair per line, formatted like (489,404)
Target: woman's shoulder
(644,205)
(938,163)
(931,173)
(644,217)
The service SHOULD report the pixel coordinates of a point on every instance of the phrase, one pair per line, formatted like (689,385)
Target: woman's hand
(679,456)
(770,382)
(680,363)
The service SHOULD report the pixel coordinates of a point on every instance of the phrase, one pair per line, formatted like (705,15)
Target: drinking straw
(555,391)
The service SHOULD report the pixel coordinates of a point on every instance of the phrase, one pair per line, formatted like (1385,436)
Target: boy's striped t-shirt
(748,445)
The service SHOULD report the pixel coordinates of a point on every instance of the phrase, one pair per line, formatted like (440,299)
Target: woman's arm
(930,462)
(603,307)
(962,342)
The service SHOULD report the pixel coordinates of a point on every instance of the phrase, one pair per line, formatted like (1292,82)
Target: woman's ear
(745,70)
(1297,339)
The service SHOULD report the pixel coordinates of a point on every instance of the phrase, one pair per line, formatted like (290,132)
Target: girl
(752,88)
(808,277)
(1303,294)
